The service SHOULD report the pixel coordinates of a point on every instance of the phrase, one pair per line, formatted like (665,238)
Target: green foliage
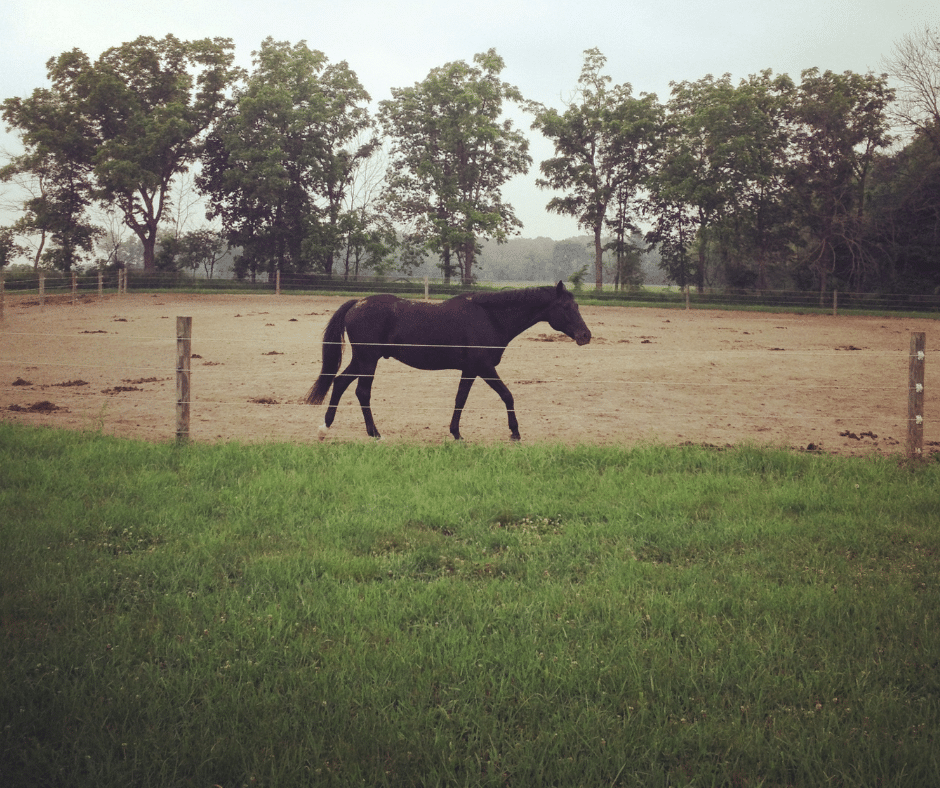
(277,166)
(458,614)
(604,147)
(58,160)
(9,249)
(451,154)
(118,130)
(577,278)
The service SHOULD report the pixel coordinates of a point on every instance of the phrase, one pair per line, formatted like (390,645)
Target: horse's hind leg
(364,394)
(340,383)
(463,391)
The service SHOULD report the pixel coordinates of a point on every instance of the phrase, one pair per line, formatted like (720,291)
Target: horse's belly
(429,357)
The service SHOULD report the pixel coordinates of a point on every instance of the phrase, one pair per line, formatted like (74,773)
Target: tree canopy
(278,162)
(767,182)
(451,153)
(136,117)
(604,143)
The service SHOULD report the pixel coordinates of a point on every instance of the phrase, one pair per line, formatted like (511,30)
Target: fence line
(417,286)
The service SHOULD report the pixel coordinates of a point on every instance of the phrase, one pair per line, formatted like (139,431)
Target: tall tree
(142,108)
(450,157)
(840,124)
(760,218)
(56,169)
(277,166)
(697,178)
(915,65)
(604,142)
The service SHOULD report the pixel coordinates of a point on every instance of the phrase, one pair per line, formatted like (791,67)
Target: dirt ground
(836,384)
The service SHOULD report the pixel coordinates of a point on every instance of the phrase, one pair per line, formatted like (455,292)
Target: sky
(389,44)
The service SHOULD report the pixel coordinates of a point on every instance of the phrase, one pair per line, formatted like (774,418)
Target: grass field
(372,614)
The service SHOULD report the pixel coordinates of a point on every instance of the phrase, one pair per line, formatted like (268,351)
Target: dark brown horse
(468,332)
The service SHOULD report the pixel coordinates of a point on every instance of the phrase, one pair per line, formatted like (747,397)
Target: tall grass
(461,615)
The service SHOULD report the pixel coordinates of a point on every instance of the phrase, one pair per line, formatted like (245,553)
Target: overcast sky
(393,44)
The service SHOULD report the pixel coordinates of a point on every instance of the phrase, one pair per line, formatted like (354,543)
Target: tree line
(768,182)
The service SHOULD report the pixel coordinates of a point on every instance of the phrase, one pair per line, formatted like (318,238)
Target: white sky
(394,44)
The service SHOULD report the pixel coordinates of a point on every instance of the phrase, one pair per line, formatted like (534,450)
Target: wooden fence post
(835,303)
(184,347)
(100,284)
(426,289)
(2,295)
(915,395)
(277,286)
(42,290)
(74,287)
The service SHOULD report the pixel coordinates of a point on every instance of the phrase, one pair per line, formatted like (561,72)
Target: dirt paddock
(837,384)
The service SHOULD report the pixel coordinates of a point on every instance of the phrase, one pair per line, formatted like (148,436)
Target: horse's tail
(332,354)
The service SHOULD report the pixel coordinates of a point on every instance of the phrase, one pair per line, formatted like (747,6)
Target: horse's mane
(504,297)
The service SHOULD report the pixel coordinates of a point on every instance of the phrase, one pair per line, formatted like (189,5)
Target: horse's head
(563,315)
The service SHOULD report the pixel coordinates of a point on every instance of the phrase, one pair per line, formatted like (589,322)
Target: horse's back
(420,334)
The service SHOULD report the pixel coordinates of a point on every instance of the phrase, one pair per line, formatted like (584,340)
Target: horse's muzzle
(582,338)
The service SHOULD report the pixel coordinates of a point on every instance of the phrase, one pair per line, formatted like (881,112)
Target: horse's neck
(515,319)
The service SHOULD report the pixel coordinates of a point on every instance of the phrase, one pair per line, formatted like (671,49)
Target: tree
(760,222)
(604,143)
(278,164)
(204,247)
(840,125)
(136,117)
(56,171)
(451,155)
(915,64)
(904,205)
(9,248)
(697,178)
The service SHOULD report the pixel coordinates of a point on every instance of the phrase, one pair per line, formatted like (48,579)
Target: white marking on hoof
(323,432)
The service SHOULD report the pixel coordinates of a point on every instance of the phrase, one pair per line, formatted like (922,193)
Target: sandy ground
(838,384)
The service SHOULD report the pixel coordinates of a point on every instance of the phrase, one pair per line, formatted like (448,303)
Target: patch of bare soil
(834,384)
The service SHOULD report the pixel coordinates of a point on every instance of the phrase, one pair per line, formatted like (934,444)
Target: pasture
(649,375)
(658,587)
(351,613)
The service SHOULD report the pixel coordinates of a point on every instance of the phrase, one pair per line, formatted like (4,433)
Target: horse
(469,332)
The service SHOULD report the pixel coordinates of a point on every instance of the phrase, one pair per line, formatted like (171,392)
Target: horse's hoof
(323,432)
(515,437)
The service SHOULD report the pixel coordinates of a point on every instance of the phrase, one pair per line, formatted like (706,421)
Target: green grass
(373,614)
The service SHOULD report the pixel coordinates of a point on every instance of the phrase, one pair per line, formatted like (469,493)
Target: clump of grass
(414,615)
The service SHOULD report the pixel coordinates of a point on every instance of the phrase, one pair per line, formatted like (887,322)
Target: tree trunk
(598,258)
(469,249)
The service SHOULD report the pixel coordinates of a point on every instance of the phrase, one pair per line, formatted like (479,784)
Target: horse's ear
(560,288)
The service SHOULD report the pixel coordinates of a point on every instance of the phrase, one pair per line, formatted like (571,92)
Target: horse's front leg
(463,391)
(505,395)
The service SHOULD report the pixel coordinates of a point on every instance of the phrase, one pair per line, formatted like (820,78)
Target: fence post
(835,303)
(687,289)
(2,295)
(42,290)
(184,346)
(100,284)
(915,395)
(277,280)
(426,289)
(74,287)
